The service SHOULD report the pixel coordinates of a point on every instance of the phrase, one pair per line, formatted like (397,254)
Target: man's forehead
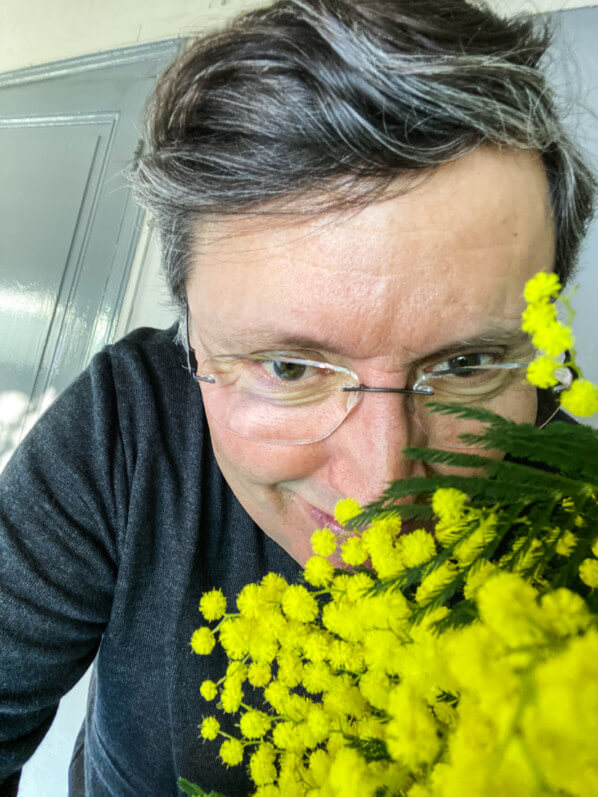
(385,283)
(267,338)
(499,174)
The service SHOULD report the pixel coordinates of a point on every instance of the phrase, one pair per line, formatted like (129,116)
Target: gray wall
(574,65)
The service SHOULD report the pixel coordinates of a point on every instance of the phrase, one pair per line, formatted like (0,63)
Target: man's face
(391,286)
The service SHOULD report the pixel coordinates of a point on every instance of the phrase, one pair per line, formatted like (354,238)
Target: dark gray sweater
(114,518)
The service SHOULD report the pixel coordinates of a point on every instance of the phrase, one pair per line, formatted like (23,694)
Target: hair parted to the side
(332,100)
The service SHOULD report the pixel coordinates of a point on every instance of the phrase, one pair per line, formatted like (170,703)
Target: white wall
(39,31)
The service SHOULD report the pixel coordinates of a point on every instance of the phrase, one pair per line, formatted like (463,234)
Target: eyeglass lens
(298,401)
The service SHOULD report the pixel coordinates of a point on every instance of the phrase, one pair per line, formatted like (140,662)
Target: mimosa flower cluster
(364,692)
(457,659)
(552,338)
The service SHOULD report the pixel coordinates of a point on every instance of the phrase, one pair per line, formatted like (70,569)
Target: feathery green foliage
(547,481)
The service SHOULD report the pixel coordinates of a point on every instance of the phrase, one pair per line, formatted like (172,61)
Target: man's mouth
(323,519)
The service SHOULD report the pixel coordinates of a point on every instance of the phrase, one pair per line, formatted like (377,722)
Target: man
(350,198)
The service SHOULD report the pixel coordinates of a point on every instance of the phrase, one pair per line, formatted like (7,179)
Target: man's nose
(366,451)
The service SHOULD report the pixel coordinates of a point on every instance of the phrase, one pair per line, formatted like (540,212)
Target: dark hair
(332,100)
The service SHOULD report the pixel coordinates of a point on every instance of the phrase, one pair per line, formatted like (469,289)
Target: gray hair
(331,100)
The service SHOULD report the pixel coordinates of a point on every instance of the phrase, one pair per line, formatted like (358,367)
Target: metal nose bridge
(426,391)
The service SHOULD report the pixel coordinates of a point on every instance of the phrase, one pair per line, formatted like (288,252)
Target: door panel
(68,226)
(38,240)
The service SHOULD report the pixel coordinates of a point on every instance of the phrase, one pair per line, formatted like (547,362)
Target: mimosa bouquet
(457,661)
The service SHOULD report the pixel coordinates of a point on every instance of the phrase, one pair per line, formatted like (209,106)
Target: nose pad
(415,415)
(353,400)
(411,403)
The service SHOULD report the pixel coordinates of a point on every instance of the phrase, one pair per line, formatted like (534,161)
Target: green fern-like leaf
(571,449)
(561,460)
(370,749)
(462,613)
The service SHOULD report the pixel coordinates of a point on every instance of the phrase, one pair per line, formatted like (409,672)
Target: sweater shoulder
(159,346)
(147,365)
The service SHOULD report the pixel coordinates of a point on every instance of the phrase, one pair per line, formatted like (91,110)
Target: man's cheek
(263,463)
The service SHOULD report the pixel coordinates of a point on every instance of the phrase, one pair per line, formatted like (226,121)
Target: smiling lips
(324,520)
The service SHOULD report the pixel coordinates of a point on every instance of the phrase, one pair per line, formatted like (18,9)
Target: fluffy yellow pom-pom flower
(319,765)
(554,338)
(346,509)
(203,641)
(277,696)
(254,724)
(564,612)
(540,372)
(448,504)
(374,686)
(581,398)
(208,690)
(588,572)
(299,604)
(250,601)
(358,585)
(507,605)
(542,287)
(417,548)
(231,752)
(212,605)
(377,539)
(354,552)
(316,646)
(231,698)
(387,564)
(259,673)
(348,773)
(317,677)
(236,673)
(318,571)
(285,737)
(261,765)
(233,637)
(411,735)
(210,728)
(323,542)
(273,586)
(290,670)
(537,316)
(566,544)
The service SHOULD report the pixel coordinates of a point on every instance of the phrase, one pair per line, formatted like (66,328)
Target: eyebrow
(267,339)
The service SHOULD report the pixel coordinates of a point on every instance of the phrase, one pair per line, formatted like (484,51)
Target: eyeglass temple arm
(365,389)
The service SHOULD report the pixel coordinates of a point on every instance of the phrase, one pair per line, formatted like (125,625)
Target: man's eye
(287,371)
(464,364)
